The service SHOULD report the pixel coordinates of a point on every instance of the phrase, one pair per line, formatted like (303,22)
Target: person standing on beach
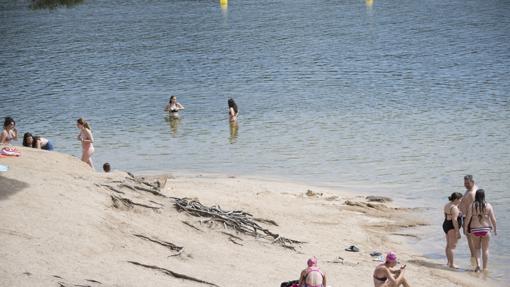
(386,276)
(232,110)
(467,200)
(9,132)
(87,140)
(480,221)
(173,107)
(312,276)
(451,225)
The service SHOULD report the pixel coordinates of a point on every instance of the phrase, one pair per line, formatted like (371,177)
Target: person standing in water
(480,221)
(173,107)
(87,140)
(451,225)
(467,200)
(233,112)
(9,133)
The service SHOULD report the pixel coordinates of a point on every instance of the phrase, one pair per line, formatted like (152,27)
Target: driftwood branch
(129,203)
(238,220)
(172,273)
(168,245)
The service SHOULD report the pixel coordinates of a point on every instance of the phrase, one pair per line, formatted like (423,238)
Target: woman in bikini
(86,139)
(451,225)
(173,107)
(385,276)
(36,142)
(312,276)
(480,221)
(232,110)
(9,133)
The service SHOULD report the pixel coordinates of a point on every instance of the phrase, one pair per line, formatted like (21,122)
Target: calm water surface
(396,97)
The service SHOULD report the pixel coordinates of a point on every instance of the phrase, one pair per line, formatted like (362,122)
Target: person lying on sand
(312,276)
(385,276)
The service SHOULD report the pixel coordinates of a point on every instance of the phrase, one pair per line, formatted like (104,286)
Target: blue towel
(3,167)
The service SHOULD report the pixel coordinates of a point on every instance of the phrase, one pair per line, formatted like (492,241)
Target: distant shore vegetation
(52,4)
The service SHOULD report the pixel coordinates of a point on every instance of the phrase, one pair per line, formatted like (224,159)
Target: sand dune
(65,225)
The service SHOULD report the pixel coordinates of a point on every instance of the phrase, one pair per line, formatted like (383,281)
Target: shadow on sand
(9,187)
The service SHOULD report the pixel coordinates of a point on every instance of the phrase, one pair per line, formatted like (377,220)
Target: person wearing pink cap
(385,276)
(312,276)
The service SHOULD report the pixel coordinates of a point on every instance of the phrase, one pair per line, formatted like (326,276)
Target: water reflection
(173,122)
(52,4)
(234,128)
(369,3)
(224,7)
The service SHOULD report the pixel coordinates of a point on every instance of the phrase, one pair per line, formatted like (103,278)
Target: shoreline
(91,230)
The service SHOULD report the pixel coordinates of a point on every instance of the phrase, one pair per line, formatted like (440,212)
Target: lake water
(401,98)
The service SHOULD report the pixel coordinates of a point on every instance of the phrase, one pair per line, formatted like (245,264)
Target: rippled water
(395,97)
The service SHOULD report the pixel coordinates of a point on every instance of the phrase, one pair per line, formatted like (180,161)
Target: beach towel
(3,168)
(9,151)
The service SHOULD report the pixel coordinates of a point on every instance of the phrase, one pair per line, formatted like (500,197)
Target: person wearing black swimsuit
(451,225)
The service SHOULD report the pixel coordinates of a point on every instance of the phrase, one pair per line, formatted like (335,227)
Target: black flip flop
(352,248)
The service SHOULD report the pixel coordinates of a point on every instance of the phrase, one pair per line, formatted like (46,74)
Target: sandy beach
(63,224)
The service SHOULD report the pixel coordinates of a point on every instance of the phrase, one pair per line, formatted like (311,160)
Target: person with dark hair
(312,276)
(467,199)
(385,276)
(232,110)
(173,107)
(36,142)
(87,140)
(9,132)
(106,167)
(451,225)
(480,221)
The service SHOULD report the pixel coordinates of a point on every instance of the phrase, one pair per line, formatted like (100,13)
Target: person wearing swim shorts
(385,276)
(312,276)
(87,140)
(467,200)
(451,225)
(9,132)
(480,221)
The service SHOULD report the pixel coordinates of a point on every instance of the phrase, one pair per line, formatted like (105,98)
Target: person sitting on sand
(480,221)
(87,140)
(36,142)
(232,110)
(385,276)
(451,225)
(9,132)
(173,107)
(312,276)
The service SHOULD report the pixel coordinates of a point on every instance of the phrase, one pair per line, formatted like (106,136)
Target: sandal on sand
(375,253)
(352,248)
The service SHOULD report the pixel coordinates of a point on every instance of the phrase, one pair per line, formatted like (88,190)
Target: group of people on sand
(385,274)
(471,213)
(173,107)
(10,133)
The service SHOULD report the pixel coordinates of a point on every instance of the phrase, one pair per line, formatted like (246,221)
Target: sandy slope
(60,226)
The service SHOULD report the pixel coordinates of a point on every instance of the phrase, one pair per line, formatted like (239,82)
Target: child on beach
(451,225)
(9,132)
(480,220)
(86,139)
(386,276)
(106,167)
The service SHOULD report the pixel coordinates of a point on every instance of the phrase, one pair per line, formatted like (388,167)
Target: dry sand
(60,226)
